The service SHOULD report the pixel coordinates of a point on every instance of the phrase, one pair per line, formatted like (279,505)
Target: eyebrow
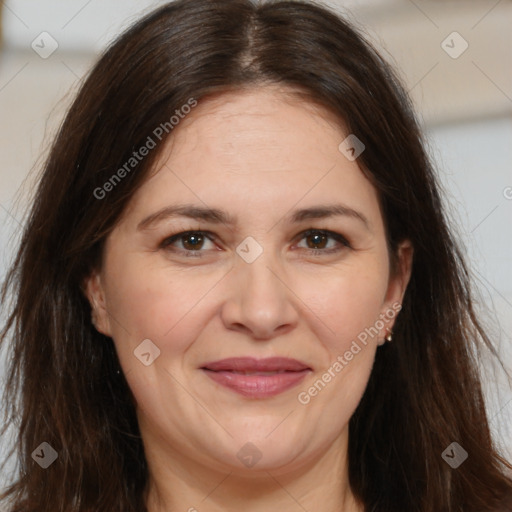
(216,216)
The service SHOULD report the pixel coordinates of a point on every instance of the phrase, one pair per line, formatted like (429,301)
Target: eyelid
(331,234)
(169,240)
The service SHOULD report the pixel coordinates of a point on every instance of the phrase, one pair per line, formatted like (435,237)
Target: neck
(180,483)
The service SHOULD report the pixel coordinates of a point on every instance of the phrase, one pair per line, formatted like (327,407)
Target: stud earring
(389,336)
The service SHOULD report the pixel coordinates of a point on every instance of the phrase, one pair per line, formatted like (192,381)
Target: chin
(257,453)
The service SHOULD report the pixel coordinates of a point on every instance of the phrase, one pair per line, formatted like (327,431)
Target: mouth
(257,378)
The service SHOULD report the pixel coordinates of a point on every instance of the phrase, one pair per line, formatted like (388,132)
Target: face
(285,256)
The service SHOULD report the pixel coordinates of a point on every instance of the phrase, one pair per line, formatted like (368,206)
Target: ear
(397,284)
(94,291)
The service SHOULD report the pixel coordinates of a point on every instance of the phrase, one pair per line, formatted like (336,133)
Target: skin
(259,155)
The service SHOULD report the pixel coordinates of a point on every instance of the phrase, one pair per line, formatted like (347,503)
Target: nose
(260,302)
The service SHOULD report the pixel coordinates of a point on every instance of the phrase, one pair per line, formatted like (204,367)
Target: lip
(251,377)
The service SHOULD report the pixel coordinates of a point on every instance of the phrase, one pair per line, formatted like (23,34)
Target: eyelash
(167,242)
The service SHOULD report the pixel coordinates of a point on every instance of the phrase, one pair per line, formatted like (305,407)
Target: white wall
(475,160)
(77,25)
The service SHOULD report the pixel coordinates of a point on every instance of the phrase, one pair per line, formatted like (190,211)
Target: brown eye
(192,241)
(189,243)
(320,241)
(317,239)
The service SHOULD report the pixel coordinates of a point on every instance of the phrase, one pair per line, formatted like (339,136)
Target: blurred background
(455,58)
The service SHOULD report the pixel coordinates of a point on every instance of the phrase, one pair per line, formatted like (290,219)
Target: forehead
(246,123)
(262,149)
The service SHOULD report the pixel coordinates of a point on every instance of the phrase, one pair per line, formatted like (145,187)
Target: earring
(389,336)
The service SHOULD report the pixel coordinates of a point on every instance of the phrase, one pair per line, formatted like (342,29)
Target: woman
(237,287)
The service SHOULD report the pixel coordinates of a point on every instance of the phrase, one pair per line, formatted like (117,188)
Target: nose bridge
(259,300)
(261,285)
(260,277)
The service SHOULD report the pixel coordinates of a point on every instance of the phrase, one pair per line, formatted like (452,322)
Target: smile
(257,378)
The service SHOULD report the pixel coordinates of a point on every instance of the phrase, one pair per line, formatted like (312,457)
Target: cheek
(166,306)
(348,302)
(348,306)
(149,301)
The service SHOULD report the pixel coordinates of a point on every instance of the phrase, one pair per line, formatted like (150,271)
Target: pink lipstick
(257,378)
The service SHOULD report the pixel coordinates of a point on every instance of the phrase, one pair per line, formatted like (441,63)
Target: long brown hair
(63,387)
